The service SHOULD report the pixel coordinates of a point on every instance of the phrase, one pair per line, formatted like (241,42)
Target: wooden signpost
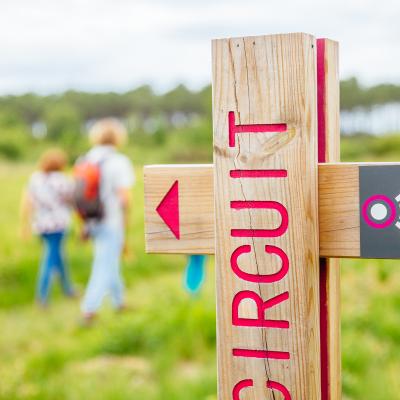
(275,208)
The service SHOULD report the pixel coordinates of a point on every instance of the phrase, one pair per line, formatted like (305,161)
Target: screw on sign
(276,208)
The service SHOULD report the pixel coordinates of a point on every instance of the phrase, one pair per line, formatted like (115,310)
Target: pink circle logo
(379,211)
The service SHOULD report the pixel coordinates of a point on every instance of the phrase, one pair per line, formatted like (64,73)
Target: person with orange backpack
(103,181)
(46,210)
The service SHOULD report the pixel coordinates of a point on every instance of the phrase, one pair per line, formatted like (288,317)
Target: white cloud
(49,45)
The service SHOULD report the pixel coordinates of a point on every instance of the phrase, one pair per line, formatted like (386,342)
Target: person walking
(46,206)
(106,218)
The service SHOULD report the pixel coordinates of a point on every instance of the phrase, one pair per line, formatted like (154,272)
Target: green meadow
(163,347)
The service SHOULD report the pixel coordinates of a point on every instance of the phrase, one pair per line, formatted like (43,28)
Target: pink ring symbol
(375,224)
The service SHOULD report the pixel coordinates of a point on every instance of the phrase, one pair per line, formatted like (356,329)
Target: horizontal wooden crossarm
(339,209)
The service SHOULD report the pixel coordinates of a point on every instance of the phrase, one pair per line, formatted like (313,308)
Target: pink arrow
(168,209)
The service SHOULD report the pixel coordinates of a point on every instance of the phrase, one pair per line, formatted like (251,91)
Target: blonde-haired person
(46,207)
(108,233)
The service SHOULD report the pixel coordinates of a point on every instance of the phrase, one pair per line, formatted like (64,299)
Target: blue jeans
(53,262)
(105,277)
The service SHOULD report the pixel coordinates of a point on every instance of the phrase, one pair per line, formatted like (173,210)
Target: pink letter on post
(275,355)
(274,205)
(239,387)
(270,385)
(258,173)
(262,306)
(268,278)
(252,128)
(277,386)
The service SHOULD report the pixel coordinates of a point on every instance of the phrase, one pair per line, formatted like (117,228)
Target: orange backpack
(87,190)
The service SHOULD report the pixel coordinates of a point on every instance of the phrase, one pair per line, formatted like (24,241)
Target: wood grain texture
(339,210)
(196,208)
(268,80)
(339,215)
(339,223)
(330,267)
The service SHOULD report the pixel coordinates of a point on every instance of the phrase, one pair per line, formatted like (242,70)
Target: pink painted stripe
(277,355)
(261,233)
(321,104)
(250,128)
(321,92)
(258,173)
(260,128)
(242,204)
(323,298)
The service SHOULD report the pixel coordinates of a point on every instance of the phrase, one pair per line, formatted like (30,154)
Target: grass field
(164,347)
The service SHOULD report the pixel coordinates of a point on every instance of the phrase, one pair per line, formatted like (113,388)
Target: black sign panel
(379,211)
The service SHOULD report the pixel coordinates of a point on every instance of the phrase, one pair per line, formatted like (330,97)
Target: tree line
(152,117)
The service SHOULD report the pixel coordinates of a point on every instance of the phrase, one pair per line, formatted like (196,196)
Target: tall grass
(163,348)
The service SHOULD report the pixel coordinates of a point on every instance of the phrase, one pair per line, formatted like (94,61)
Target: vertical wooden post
(265,182)
(329,151)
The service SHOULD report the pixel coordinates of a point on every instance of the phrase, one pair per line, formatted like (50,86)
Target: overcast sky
(52,45)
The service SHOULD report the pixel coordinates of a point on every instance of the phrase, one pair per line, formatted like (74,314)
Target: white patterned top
(51,194)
